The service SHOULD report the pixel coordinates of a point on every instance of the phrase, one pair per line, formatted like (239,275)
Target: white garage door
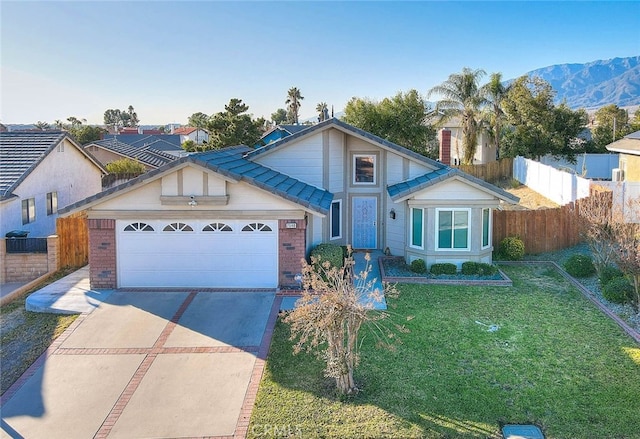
(206,254)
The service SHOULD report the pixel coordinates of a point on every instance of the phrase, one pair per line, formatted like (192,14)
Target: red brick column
(291,250)
(102,253)
(445,147)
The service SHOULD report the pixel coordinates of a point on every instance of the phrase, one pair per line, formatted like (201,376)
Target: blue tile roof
(406,188)
(231,163)
(146,155)
(20,153)
(162,142)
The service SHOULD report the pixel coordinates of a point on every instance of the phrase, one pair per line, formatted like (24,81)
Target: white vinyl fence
(558,186)
(591,166)
(564,187)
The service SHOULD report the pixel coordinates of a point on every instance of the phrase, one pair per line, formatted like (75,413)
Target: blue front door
(365,219)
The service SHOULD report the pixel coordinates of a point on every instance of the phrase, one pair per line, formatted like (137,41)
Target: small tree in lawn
(627,250)
(596,226)
(328,317)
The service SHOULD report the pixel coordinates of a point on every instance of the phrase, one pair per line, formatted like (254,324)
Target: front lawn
(555,361)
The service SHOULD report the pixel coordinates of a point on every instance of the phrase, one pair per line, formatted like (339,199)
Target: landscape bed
(393,269)
(555,361)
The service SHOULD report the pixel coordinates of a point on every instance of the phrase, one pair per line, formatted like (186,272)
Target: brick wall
(102,253)
(291,250)
(445,147)
(25,267)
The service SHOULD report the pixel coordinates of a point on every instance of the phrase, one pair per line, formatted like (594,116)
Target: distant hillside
(594,84)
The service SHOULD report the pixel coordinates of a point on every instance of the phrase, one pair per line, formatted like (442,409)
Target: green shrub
(579,266)
(471,268)
(125,166)
(618,290)
(418,266)
(511,248)
(329,252)
(443,268)
(608,273)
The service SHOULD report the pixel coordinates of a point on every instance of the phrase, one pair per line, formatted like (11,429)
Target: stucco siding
(242,197)
(336,161)
(301,160)
(69,173)
(453,190)
(631,167)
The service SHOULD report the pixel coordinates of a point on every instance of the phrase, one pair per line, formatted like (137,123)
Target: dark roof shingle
(148,156)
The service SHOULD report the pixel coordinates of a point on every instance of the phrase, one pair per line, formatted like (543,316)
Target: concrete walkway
(69,295)
(147,364)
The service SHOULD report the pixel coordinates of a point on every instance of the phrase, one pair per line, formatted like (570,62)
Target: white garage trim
(216,253)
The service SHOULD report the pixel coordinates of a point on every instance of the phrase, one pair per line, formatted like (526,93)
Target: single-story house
(40,171)
(280,132)
(196,135)
(243,218)
(111,150)
(629,149)
(168,143)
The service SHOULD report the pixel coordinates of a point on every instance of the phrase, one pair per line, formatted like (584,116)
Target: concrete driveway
(148,364)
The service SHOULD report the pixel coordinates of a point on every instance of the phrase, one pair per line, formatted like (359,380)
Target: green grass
(24,335)
(556,361)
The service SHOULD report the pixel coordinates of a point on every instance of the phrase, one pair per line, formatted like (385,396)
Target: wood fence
(543,230)
(490,172)
(73,241)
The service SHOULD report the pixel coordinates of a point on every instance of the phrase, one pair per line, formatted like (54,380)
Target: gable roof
(231,163)
(162,142)
(407,188)
(22,152)
(186,130)
(629,144)
(146,155)
(343,126)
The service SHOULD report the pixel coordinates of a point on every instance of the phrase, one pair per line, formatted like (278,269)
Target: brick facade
(445,147)
(291,250)
(102,253)
(25,267)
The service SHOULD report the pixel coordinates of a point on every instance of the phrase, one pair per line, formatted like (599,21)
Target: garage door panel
(207,259)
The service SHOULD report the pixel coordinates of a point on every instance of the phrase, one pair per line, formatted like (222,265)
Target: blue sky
(171,59)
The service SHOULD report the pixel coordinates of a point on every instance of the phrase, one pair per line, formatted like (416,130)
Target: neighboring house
(244,218)
(486,151)
(169,143)
(110,150)
(196,135)
(629,149)
(38,173)
(280,132)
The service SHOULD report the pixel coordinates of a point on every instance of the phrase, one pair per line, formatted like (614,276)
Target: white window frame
(52,203)
(339,236)
(31,211)
(489,229)
(375,170)
(437,231)
(421,246)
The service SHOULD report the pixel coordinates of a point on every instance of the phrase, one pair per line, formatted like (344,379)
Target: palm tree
(494,92)
(293,103)
(462,97)
(323,111)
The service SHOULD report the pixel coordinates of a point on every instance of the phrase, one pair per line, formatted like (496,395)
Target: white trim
(353,170)
(421,247)
(437,232)
(331,237)
(489,230)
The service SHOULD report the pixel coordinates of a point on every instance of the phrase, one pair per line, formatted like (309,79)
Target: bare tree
(596,228)
(332,310)
(626,237)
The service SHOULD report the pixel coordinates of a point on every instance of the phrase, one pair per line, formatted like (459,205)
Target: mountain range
(594,84)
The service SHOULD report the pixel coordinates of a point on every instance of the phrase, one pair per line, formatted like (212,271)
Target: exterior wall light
(392,214)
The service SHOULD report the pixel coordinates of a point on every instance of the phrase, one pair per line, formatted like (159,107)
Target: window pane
(461,229)
(25,212)
(416,231)
(444,229)
(485,227)
(335,219)
(364,169)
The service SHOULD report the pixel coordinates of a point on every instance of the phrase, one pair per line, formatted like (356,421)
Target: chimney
(445,147)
